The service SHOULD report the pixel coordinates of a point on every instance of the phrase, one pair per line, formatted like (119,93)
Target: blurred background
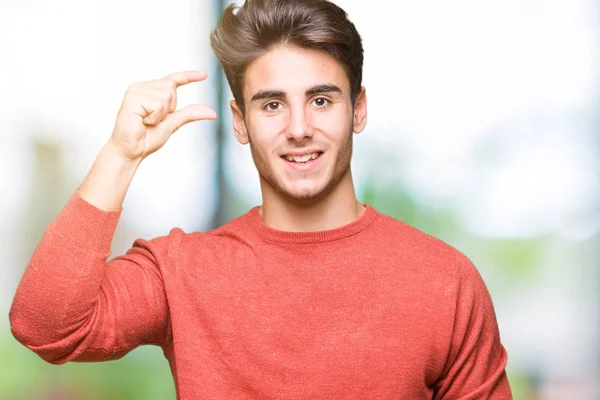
(484,131)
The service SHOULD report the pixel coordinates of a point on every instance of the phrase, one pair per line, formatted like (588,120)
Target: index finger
(185,77)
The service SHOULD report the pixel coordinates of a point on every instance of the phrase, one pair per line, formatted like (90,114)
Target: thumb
(193,112)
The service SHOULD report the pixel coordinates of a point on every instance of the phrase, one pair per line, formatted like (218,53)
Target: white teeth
(302,159)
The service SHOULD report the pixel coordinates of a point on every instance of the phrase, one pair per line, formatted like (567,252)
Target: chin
(306,196)
(302,194)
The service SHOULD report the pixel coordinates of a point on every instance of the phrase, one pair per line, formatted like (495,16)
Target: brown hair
(257,26)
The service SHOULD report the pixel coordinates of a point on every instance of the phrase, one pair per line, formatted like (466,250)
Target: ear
(360,111)
(239,125)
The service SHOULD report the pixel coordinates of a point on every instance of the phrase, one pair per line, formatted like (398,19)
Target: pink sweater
(373,310)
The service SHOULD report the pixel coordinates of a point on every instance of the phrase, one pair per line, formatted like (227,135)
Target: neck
(336,208)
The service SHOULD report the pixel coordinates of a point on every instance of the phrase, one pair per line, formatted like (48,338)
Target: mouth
(302,158)
(304,162)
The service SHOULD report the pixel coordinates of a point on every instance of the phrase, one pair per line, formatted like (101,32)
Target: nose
(298,125)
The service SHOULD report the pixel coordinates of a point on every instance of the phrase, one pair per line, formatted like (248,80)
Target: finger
(155,115)
(193,112)
(185,77)
(168,98)
(151,110)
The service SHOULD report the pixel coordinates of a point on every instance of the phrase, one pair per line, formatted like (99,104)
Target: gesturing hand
(148,116)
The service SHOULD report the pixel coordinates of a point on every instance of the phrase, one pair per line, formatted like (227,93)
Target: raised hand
(148,115)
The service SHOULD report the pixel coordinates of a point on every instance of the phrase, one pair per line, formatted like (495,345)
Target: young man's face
(299,121)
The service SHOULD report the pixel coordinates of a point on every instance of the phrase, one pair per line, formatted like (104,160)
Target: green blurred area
(142,374)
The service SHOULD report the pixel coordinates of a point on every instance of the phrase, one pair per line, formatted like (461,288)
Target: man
(311,295)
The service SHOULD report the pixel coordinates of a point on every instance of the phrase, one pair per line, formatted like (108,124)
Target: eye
(321,102)
(273,106)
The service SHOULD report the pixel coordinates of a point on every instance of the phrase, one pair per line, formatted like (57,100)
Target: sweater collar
(274,235)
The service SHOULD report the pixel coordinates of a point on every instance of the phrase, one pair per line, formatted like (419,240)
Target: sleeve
(475,367)
(73,305)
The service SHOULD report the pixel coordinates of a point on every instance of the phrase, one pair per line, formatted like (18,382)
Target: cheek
(272,124)
(265,132)
(336,124)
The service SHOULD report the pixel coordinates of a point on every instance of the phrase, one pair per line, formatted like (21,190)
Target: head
(295,70)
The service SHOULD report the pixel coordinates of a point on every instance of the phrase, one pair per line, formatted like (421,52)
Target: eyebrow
(267,94)
(327,88)
(270,94)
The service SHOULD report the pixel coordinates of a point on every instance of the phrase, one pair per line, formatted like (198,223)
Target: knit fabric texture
(375,309)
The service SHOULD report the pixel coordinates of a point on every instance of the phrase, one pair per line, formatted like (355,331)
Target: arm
(475,368)
(71,304)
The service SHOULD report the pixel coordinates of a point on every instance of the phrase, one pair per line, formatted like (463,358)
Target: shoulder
(178,243)
(431,258)
(400,237)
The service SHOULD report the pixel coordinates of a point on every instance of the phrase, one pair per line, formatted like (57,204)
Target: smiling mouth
(303,159)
